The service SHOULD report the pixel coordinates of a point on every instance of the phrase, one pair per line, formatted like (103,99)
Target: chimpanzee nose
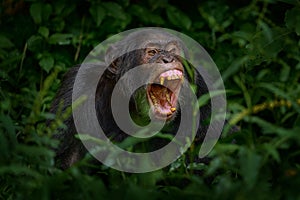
(167,59)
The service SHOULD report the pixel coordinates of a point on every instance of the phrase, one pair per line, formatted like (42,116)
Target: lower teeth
(168,99)
(155,102)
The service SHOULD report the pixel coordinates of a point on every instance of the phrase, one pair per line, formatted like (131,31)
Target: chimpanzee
(161,99)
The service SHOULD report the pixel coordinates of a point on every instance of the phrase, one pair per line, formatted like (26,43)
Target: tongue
(160,94)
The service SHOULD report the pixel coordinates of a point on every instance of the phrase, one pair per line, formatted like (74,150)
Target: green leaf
(145,15)
(58,7)
(35,43)
(98,13)
(58,24)
(269,128)
(36,12)
(292,19)
(285,72)
(271,150)
(154,4)
(243,87)
(234,67)
(204,99)
(5,43)
(18,170)
(46,11)
(60,38)
(9,125)
(114,10)
(40,12)
(298,66)
(269,42)
(178,18)
(47,63)
(44,31)
(276,90)
(250,163)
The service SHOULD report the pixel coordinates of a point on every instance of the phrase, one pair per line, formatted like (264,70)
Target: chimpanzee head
(162,54)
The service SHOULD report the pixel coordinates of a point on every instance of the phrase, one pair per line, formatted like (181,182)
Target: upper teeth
(170,75)
(162,80)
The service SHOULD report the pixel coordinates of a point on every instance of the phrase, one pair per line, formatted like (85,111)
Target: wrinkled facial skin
(165,80)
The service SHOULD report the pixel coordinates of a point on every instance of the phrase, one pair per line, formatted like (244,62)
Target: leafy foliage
(256,46)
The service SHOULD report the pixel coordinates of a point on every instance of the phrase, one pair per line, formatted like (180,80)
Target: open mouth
(163,93)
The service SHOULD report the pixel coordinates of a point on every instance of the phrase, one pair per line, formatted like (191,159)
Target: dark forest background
(256,46)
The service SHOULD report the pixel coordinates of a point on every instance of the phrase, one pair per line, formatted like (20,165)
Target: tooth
(173,109)
(168,98)
(169,78)
(154,101)
(162,80)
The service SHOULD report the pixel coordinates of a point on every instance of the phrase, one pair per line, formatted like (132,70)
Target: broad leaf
(292,19)
(178,18)
(98,13)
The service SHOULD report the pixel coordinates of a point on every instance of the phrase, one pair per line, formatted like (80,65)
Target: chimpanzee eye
(173,48)
(151,52)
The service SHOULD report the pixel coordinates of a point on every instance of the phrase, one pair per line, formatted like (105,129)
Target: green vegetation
(256,46)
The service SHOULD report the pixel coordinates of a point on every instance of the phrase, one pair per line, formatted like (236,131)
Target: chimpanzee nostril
(167,59)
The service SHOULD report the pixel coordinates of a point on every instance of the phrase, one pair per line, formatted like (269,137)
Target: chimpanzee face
(163,53)
(163,93)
